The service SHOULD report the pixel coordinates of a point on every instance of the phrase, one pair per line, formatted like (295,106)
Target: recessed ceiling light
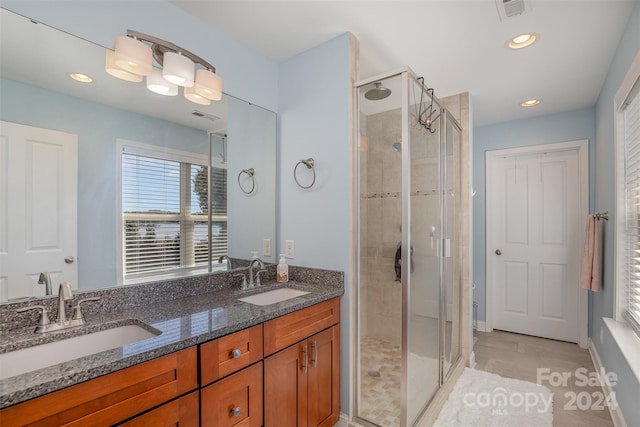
(522,40)
(530,102)
(82,78)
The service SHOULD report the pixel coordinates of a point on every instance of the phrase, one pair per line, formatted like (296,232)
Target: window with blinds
(165,213)
(631,135)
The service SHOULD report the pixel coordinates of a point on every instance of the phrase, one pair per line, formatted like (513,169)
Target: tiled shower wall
(381,232)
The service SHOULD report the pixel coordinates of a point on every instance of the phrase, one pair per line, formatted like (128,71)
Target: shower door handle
(498,252)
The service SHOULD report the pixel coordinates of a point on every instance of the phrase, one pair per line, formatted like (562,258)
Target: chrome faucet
(64,294)
(223,257)
(45,279)
(251,267)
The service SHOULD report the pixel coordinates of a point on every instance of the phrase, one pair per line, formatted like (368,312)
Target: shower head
(377,93)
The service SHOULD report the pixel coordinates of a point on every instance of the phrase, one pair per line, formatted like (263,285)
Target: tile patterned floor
(520,356)
(380,395)
(381,380)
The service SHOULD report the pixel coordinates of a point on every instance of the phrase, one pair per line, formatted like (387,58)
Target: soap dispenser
(282,270)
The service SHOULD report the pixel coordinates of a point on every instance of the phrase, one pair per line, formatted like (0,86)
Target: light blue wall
(97,127)
(314,121)
(628,387)
(246,73)
(568,126)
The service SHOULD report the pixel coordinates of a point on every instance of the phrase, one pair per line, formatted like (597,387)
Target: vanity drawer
(286,330)
(183,412)
(230,353)
(111,398)
(234,401)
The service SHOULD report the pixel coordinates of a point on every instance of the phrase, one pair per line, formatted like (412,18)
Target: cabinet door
(234,401)
(183,412)
(324,378)
(285,387)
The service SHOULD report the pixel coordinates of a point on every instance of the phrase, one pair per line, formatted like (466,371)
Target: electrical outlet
(266,247)
(288,249)
(601,335)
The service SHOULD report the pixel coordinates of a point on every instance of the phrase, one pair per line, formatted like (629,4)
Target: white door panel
(535,224)
(39,208)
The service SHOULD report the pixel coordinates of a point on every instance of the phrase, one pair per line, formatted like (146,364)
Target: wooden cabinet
(181,412)
(286,330)
(230,353)
(112,398)
(297,385)
(234,401)
(302,382)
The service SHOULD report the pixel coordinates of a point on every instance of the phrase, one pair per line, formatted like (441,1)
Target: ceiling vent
(511,8)
(211,117)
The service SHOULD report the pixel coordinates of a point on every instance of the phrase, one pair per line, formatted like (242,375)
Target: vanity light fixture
(134,57)
(530,102)
(156,83)
(522,40)
(115,71)
(82,78)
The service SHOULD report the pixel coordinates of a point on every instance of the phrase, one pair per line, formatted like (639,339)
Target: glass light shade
(111,68)
(178,69)
(208,84)
(133,56)
(156,83)
(191,94)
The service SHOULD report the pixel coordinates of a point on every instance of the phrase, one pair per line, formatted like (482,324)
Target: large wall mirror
(108,183)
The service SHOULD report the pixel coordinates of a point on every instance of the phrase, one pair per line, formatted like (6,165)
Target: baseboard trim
(343,421)
(481,326)
(616,414)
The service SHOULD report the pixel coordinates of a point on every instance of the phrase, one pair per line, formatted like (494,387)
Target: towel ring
(309,163)
(251,172)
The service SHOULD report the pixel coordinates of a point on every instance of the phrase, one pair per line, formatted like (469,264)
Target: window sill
(627,341)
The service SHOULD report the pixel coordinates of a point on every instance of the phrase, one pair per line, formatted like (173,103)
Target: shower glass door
(408,260)
(424,235)
(451,260)
(379,355)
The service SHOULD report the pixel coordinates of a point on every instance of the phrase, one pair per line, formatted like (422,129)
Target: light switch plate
(266,247)
(288,249)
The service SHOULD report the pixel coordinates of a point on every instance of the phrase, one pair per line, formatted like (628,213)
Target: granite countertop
(183,323)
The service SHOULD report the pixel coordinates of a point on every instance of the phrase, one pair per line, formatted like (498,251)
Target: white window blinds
(165,215)
(631,119)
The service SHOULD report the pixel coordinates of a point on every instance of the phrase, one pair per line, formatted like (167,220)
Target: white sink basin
(272,297)
(49,354)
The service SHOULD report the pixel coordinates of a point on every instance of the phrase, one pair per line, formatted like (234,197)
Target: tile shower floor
(380,365)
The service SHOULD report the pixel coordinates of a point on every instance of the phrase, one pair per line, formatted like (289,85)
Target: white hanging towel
(591,262)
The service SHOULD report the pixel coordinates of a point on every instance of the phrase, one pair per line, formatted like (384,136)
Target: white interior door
(38,214)
(535,235)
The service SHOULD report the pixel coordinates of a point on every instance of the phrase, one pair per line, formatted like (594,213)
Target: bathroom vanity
(224,365)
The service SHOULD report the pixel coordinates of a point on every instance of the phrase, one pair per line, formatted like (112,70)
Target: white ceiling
(457,45)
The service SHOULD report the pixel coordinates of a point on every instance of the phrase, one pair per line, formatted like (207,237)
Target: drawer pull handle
(235,411)
(314,359)
(236,353)
(305,358)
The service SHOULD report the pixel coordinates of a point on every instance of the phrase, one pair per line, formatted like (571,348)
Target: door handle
(69,260)
(498,252)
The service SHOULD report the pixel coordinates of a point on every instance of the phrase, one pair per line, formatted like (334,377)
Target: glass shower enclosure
(408,271)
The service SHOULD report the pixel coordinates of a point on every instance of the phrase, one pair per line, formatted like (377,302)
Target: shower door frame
(407,76)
